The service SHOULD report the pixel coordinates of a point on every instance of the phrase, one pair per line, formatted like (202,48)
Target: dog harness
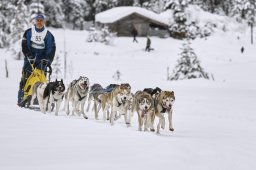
(80,97)
(37,38)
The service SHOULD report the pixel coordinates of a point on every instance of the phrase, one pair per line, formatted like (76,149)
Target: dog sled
(37,75)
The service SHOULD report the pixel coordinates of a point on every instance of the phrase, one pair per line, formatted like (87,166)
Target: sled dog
(95,91)
(34,92)
(153,92)
(53,95)
(144,105)
(39,92)
(118,100)
(76,94)
(164,103)
(105,100)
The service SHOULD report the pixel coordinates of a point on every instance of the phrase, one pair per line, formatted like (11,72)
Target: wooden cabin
(123,20)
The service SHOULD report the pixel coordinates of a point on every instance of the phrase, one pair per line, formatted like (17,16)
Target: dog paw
(152,130)
(171,129)
(85,117)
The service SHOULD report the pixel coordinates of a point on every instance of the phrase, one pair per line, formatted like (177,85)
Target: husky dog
(118,99)
(53,94)
(95,91)
(77,93)
(105,104)
(39,91)
(128,110)
(130,105)
(144,105)
(163,103)
(34,93)
(105,101)
(153,92)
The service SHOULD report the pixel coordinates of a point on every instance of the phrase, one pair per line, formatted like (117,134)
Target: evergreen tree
(75,12)
(18,26)
(188,66)
(179,28)
(54,13)
(3,34)
(56,66)
(35,8)
(7,13)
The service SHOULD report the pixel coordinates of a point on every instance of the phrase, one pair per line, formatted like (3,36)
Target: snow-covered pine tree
(7,13)
(36,7)
(157,6)
(240,9)
(103,35)
(188,66)
(56,67)
(18,26)
(75,11)
(3,35)
(178,29)
(54,13)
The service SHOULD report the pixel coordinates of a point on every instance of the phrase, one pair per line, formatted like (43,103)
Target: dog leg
(112,116)
(145,119)
(32,99)
(139,122)
(57,107)
(89,104)
(82,109)
(150,122)
(163,122)
(41,103)
(98,109)
(49,105)
(108,117)
(161,118)
(152,117)
(95,110)
(170,121)
(74,105)
(127,118)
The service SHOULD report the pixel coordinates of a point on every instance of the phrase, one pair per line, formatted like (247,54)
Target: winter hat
(39,16)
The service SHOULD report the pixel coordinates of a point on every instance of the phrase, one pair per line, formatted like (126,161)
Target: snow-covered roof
(115,14)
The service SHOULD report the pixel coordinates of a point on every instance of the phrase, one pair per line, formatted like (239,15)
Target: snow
(117,13)
(214,121)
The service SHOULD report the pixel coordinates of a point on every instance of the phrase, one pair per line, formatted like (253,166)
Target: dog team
(115,101)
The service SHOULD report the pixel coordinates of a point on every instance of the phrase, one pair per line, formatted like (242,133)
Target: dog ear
(56,80)
(172,93)
(61,80)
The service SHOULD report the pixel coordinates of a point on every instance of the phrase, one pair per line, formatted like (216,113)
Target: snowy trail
(214,121)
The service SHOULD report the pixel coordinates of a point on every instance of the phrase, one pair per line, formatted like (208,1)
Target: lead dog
(144,106)
(164,103)
(76,94)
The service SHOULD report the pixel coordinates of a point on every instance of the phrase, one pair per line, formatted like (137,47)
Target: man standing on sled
(38,45)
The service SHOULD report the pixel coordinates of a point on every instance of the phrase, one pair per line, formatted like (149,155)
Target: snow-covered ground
(214,121)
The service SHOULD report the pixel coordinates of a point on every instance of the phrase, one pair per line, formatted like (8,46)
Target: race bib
(37,38)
